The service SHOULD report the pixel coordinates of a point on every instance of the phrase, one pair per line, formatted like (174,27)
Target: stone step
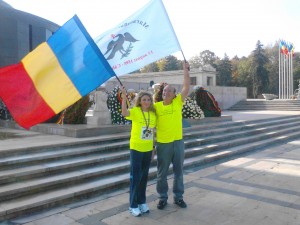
(59,154)
(279,105)
(41,184)
(205,158)
(62,161)
(103,139)
(49,155)
(58,167)
(239,141)
(15,190)
(237,126)
(20,206)
(246,132)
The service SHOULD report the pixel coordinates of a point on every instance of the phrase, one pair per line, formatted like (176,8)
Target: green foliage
(244,75)
(260,77)
(168,63)
(152,67)
(235,74)
(195,62)
(224,72)
(172,63)
(204,58)
(272,67)
(296,72)
(296,77)
(75,114)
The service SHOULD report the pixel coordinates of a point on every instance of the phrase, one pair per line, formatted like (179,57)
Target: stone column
(101,114)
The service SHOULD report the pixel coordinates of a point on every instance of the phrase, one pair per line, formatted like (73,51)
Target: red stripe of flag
(29,107)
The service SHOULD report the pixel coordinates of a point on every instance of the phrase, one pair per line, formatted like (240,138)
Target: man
(170,145)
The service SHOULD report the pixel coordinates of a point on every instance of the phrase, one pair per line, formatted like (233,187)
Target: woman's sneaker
(144,208)
(135,211)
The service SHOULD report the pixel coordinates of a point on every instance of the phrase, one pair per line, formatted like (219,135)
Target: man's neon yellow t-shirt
(169,120)
(141,139)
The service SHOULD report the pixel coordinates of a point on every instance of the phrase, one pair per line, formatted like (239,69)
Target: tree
(208,57)
(272,68)
(235,75)
(195,62)
(169,63)
(204,58)
(244,75)
(224,71)
(152,67)
(259,72)
(296,71)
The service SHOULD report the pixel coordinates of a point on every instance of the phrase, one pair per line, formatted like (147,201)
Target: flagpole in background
(279,72)
(286,78)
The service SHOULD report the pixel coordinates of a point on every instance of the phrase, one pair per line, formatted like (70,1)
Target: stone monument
(101,114)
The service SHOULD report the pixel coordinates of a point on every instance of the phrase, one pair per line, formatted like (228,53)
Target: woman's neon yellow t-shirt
(139,139)
(169,120)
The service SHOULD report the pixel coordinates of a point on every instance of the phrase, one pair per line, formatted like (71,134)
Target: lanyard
(147,124)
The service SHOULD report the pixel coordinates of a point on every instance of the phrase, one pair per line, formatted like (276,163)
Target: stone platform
(88,130)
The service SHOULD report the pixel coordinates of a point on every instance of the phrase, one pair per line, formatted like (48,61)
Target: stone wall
(225,96)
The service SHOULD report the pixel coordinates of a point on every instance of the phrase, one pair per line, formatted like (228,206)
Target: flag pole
(119,80)
(184,59)
(183,56)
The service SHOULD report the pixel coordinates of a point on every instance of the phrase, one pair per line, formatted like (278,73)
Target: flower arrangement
(114,102)
(191,110)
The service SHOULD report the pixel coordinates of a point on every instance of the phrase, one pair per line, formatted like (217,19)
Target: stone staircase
(262,104)
(34,179)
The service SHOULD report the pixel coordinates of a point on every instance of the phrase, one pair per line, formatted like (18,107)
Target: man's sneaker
(162,204)
(180,203)
(135,211)
(144,208)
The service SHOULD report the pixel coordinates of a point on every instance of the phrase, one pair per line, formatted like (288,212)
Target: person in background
(169,142)
(143,119)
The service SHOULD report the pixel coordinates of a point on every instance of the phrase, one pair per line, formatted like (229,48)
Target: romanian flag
(53,76)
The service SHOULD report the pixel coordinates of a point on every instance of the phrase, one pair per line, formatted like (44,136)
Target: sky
(230,27)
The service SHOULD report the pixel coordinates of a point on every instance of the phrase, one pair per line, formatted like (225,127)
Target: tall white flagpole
(284,77)
(279,72)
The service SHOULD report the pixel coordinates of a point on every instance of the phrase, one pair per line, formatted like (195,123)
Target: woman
(143,119)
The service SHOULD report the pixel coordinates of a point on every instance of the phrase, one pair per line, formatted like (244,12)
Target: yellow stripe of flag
(49,78)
